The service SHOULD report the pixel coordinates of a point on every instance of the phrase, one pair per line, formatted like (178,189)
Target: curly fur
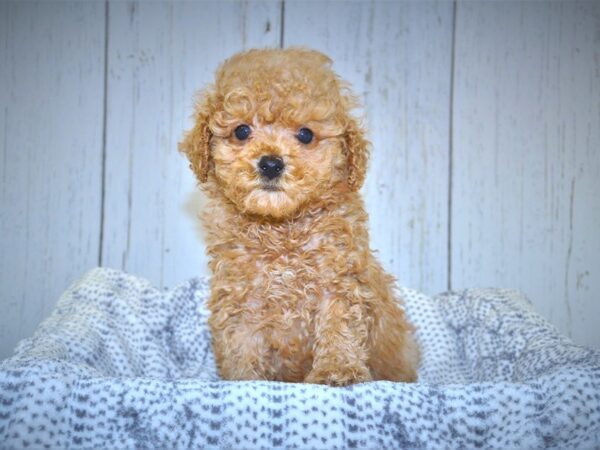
(297,294)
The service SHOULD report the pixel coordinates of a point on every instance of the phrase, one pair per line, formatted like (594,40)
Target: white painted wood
(159,55)
(397,55)
(51,73)
(526,156)
(525,204)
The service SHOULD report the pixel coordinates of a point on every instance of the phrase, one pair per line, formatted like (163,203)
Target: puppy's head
(274,133)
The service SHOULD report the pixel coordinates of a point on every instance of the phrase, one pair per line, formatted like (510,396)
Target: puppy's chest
(282,262)
(291,273)
(277,284)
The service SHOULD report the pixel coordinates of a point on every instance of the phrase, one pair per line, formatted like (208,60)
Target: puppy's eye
(242,132)
(305,135)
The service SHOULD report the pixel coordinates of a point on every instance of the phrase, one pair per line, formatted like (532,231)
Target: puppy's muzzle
(270,166)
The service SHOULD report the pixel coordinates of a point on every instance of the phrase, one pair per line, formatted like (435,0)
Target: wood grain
(51,73)
(397,55)
(488,175)
(159,55)
(526,157)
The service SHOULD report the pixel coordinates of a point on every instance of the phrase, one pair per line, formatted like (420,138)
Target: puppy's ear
(356,148)
(196,142)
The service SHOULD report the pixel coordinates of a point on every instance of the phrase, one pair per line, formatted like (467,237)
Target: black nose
(270,166)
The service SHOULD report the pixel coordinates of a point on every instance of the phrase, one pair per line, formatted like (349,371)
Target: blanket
(122,364)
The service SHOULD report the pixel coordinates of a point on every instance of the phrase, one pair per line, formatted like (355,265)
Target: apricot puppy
(296,294)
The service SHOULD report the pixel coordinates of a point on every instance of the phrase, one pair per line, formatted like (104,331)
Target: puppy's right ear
(196,142)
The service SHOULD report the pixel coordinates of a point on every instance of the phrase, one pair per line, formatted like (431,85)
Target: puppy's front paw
(339,376)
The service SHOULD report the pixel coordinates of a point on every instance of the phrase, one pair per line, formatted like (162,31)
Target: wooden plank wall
(159,55)
(484,118)
(526,156)
(392,53)
(51,109)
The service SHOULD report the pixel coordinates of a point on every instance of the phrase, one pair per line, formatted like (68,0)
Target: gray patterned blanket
(121,364)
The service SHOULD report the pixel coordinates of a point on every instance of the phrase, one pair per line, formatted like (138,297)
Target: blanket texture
(121,364)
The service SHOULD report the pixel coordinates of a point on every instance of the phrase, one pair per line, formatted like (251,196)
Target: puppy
(296,293)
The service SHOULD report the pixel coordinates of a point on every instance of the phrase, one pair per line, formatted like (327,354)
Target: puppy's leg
(239,355)
(339,354)
(393,351)
(238,346)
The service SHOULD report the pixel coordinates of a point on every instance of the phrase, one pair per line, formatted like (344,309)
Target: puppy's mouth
(270,186)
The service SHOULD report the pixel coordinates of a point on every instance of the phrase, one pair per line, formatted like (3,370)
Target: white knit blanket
(121,364)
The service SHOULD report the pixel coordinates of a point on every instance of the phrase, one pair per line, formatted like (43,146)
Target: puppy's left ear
(196,142)
(356,149)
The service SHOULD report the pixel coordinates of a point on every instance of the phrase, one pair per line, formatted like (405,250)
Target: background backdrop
(484,116)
